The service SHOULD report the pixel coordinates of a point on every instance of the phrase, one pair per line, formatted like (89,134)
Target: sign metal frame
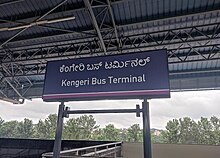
(141,75)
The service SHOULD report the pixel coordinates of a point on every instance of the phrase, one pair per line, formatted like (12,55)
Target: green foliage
(25,129)
(1,124)
(80,128)
(110,133)
(173,131)
(187,131)
(86,125)
(215,140)
(9,129)
(41,130)
(46,129)
(1,121)
(205,131)
(98,134)
(123,134)
(50,125)
(71,130)
(135,133)
(178,131)
(157,139)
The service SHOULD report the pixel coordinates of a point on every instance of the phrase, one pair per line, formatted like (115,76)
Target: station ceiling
(33,32)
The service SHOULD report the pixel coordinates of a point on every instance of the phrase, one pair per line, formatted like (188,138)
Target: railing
(103,150)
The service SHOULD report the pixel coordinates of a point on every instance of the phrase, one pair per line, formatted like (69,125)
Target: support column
(59,130)
(146,130)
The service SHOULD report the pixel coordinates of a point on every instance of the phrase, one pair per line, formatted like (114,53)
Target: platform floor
(135,150)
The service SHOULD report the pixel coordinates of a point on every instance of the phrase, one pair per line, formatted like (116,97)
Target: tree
(46,129)
(205,131)
(1,121)
(157,136)
(25,129)
(50,126)
(216,130)
(110,132)
(135,133)
(71,130)
(80,128)
(86,125)
(157,139)
(188,131)
(215,122)
(1,125)
(123,134)
(185,131)
(98,134)
(9,129)
(40,130)
(172,133)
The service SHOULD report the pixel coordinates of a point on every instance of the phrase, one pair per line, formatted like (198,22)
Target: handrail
(100,151)
(77,150)
(89,147)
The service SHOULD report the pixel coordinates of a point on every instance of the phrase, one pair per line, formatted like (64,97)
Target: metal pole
(57,143)
(146,129)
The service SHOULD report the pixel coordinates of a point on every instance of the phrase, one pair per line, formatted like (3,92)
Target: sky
(194,104)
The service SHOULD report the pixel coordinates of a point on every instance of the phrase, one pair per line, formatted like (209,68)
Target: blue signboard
(134,75)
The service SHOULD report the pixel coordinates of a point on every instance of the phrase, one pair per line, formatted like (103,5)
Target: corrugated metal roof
(188,29)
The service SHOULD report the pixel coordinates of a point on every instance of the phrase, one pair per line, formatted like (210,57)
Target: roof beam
(74,8)
(125,25)
(113,22)
(14,101)
(10,84)
(47,26)
(83,50)
(68,9)
(43,22)
(10,2)
(93,18)
(185,72)
(37,20)
(6,98)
